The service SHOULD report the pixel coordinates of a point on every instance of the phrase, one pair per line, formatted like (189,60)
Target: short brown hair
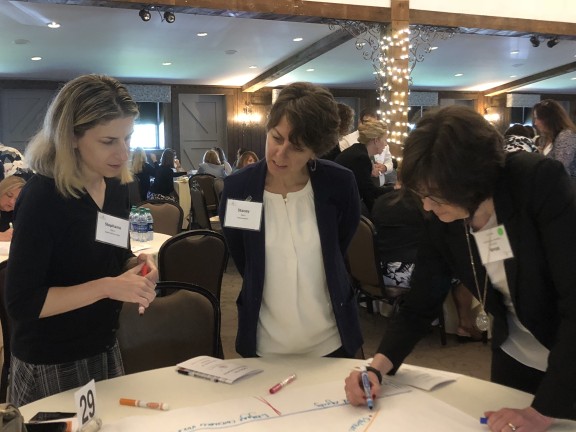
(312,112)
(455,154)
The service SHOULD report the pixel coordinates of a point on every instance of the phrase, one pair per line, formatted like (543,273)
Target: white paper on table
(422,378)
(4,248)
(317,407)
(140,247)
(222,370)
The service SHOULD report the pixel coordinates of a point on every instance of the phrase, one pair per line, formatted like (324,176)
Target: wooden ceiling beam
(540,76)
(295,61)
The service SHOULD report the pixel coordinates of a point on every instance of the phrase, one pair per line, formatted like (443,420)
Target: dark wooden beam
(540,76)
(295,61)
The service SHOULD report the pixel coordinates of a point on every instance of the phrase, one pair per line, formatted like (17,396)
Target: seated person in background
(399,222)
(346,115)
(143,170)
(211,164)
(517,138)
(223,159)
(372,140)
(10,188)
(163,186)
(247,158)
(12,162)
(239,153)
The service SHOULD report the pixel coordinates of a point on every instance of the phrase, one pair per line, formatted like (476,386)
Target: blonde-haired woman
(10,188)
(372,140)
(70,265)
(211,164)
(143,170)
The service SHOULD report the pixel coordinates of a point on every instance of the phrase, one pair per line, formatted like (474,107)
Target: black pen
(197,375)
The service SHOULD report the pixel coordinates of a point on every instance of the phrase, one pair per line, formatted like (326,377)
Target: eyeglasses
(422,196)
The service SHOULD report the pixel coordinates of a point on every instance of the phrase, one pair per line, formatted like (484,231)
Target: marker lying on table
(367,390)
(282,384)
(138,403)
(143,272)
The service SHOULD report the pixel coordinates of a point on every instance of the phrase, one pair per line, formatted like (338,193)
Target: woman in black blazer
(505,226)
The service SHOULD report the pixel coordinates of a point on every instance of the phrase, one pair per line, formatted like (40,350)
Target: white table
(470,395)
(182,188)
(151,247)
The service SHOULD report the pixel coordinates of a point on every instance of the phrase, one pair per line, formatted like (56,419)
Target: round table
(469,395)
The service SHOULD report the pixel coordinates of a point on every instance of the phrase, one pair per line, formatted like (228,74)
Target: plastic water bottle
(142,225)
(132,223)
(150,225)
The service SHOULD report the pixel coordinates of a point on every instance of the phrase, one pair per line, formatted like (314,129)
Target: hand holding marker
(145,270)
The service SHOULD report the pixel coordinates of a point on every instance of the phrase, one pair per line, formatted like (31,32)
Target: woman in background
(10,189)
(163,186)
(557,132)
(70,265)
(296,295)
(143,170)
(211,164)
(247,158)
(223,160)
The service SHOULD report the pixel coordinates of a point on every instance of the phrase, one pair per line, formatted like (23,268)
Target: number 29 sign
(85,399)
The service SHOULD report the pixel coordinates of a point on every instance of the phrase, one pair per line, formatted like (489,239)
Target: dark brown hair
(554,117)
(346,115)
(312,113)
(453,154)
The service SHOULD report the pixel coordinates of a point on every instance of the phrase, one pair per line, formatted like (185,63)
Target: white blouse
(296,315)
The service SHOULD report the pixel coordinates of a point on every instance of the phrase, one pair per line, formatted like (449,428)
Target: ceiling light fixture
(535,41)
(552,42)
(145,15)
(169,17)
(297,39)
(53,25)
(201,34)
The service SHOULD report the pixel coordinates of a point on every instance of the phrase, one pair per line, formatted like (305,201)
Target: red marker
(143,272)
(282,384)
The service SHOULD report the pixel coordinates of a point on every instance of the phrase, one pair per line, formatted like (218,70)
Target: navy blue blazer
(337,208)
(535,202)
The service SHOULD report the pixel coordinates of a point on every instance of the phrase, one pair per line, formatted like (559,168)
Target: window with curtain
(149,127)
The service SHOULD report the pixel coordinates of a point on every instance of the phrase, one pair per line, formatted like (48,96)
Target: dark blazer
(535,202)
(356,159)
(337,213)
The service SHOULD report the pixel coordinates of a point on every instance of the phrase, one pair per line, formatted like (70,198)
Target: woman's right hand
(132,287)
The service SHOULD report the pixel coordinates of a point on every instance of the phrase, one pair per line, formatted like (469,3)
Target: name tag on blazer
(493,244)
(243,215)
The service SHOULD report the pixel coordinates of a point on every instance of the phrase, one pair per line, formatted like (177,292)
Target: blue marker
(483,420)
(367,390)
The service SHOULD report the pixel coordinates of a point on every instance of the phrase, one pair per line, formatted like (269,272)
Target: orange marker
(143,272)
(138,403)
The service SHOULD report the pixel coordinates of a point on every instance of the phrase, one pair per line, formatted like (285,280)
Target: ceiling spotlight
(535,41)
(169,17)
(552,42)
(145,14)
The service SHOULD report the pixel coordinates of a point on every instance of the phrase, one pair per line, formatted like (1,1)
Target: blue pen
(367,390)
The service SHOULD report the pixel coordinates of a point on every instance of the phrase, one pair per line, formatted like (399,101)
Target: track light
(169,17)
(145,14)
(552,42)
(535,41)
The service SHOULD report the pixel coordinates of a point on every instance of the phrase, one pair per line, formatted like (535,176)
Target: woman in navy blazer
(454,162)
(303,123)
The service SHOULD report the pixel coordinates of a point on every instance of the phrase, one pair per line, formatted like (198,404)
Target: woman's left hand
(520,420)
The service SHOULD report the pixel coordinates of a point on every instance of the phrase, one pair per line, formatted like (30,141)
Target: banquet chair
(196,256)
(200,217)
(206,183)
(173,329)
(366,272)
(168,216)
(218,188)
(5,321)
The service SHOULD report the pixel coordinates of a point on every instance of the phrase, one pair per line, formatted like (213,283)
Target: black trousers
(511,373)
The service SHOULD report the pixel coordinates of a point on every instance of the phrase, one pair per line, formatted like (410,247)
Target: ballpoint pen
(367,390)
(143,272)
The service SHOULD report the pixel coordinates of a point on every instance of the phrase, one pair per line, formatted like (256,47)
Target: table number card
(85,400)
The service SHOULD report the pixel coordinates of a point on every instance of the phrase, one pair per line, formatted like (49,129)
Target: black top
(357,160)
(144,179)
(164,180)
(54,245)
(5,219)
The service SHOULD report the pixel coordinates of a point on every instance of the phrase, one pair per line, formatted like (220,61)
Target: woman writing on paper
(70,265)
(503,225)
(296,295)
(10,189)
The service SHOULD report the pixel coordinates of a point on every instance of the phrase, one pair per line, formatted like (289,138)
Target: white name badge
(493,244)
(243,214)
(112,230)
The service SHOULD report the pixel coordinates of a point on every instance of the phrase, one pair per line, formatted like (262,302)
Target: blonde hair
(11,183)
(138,160)
(211,156)
(82,104)
(371,129)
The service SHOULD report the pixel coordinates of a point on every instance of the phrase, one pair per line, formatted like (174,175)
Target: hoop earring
(312,164)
